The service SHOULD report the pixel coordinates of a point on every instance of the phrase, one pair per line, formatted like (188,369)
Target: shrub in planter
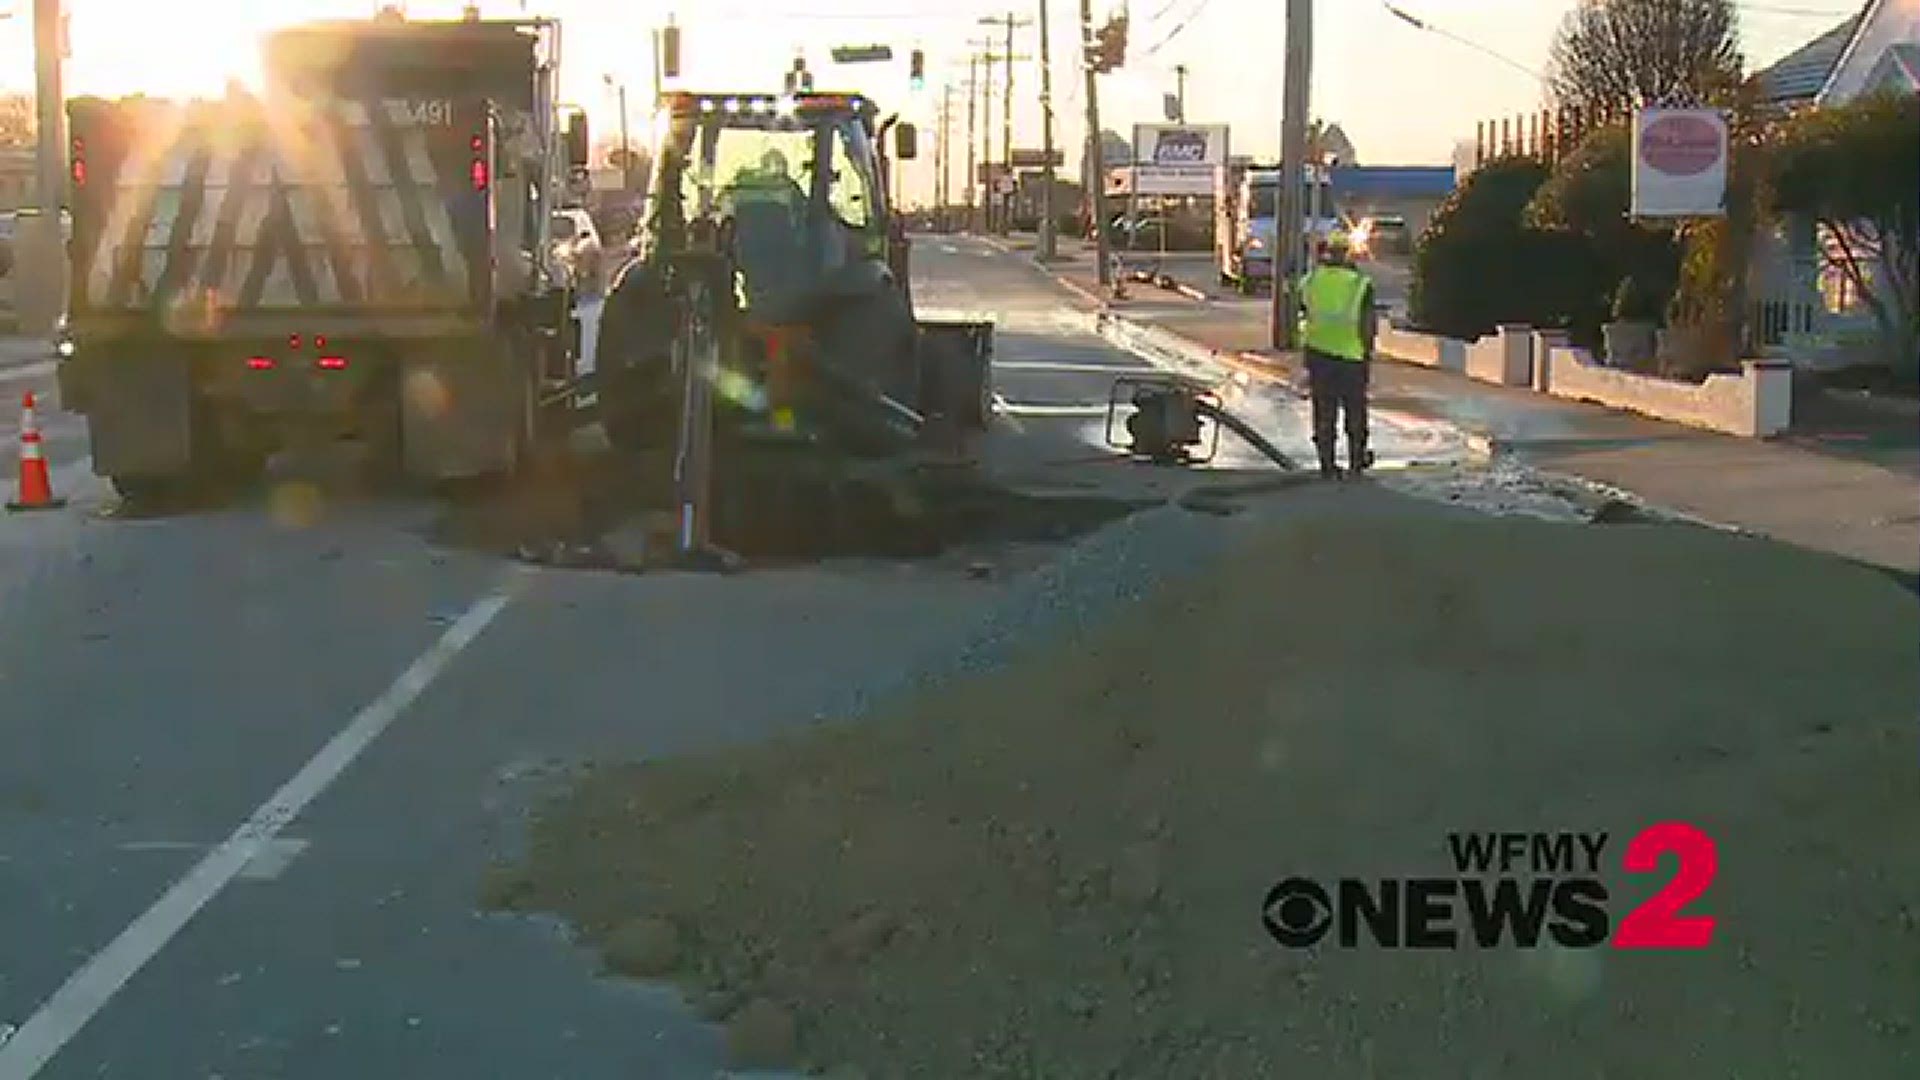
(1630,334)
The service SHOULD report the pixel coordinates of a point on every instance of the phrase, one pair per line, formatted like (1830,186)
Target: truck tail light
(260,363)
(80,163)
(478,171)
(332,363)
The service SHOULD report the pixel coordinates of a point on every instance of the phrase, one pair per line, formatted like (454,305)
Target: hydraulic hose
(1246,431)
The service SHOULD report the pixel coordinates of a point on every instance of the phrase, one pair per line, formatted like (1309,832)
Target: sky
(1403,95)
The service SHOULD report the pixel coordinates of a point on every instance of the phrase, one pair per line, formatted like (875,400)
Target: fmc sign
(1177,159)
(1679,163)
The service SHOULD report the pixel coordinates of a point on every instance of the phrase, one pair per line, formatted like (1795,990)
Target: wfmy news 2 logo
(1516,889)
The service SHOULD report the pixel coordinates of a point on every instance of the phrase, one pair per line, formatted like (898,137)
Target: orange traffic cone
(36,485)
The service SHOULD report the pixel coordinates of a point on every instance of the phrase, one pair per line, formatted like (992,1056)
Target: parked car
(577,251)
(1385,234)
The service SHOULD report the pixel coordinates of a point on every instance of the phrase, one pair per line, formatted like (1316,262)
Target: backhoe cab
(776,207)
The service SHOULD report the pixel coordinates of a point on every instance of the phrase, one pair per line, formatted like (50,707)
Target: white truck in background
(1246,210)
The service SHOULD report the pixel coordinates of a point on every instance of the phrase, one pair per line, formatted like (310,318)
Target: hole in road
(605,511)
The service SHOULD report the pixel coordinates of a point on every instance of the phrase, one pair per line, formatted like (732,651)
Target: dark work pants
(1338,386)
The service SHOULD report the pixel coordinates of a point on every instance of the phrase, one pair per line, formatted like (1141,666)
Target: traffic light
(799,78)
(1108,51)
(918,69)
(670,51)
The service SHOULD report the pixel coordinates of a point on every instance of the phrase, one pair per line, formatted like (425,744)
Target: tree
(1478,265)
(1589,194)
(17,122)
(1611,56)
(1854,169)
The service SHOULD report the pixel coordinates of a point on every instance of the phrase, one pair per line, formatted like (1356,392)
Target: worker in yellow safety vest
(1337,330)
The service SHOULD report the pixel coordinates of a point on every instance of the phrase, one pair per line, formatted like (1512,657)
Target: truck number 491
(427,113)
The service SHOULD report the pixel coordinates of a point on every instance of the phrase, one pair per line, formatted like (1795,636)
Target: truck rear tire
(221,464)
(385,465)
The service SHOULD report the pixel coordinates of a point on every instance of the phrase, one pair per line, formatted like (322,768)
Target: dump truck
(358,250)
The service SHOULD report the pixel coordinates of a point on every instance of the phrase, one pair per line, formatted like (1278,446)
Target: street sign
(1679,163)
(1180,144)
(1196,180)
(989,172)
(862,54)
(1036,159)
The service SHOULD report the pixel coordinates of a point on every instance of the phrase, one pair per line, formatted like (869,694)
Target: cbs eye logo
(1297,912)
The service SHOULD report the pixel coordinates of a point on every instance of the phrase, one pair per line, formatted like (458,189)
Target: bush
(1590,193)
(1477,265)
(1635,302)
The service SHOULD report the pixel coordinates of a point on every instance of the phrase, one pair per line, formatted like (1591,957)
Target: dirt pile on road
(1059,869)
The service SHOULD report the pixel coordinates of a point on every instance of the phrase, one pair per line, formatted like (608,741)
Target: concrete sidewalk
(1847,483)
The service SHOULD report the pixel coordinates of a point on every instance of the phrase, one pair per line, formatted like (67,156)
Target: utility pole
(1046,252)
(973,97)
(1097,167)
(626,147)
(1180,93)
(943,156)
(44,256)
(986,133)
(659,59)
(1289,247)
(1006,128)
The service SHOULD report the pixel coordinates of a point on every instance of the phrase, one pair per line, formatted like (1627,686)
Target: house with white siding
(1802,309)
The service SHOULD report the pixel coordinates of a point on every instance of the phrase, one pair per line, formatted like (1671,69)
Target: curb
(1888,407)
(1079,290)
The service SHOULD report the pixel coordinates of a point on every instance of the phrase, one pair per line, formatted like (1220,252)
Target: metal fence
(1547,135)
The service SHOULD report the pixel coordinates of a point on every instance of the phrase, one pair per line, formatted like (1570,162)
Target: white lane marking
(1071,368)
(28,371)
(1005,412)
(270,863)
(89,990)
(273,860)
(949,249)
(1012,410)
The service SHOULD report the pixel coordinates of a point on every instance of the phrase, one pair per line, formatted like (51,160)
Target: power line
(1420,24)
(835,16)
(1809,13)
(1162,13)
(1179,28)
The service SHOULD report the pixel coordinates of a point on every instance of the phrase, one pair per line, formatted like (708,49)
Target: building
(1332,142)
(1795,79)
(16,178)
(1411,191)
(1802,308)
(1030,193)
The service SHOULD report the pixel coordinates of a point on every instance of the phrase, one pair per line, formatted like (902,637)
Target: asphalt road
(259,758)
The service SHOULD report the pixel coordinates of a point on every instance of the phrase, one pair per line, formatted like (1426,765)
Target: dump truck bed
(202,214)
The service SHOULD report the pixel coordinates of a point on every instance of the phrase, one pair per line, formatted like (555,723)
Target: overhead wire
(1178,28)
